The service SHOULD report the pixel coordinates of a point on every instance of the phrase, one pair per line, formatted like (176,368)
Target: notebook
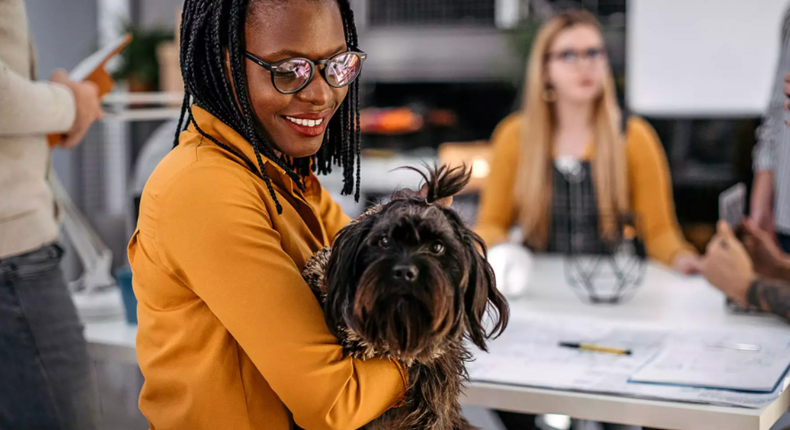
(730,366)
(91,69)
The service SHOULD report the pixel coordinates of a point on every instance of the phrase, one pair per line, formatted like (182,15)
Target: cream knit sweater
(29,110)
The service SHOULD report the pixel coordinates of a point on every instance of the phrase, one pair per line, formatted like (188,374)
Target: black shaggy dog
(409,281)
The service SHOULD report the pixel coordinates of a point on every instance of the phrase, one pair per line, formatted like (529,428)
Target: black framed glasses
(293,74)
(572,56)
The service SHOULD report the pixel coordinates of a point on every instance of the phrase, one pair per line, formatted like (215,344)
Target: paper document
(528,354)
(718,365)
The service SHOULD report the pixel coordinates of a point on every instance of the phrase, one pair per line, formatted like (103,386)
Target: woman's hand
(88,107)
(727,264)
(769,261)
(687,263)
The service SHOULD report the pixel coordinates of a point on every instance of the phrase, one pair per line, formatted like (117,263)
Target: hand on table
(88,107)
(727,265)
(769,261)
(687,263)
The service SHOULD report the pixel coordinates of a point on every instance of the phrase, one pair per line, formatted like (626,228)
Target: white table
(665,299)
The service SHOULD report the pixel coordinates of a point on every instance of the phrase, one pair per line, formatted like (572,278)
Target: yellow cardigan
(230,336)
(648,182)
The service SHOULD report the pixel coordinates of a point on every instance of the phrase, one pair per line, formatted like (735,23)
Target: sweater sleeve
(232,258)
(497,208)
(332,215)
(33,108)
(651,192)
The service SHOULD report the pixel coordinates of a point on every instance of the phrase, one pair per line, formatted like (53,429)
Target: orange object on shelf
(390,121)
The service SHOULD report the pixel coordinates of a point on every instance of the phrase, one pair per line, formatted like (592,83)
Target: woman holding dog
(230,335)
(568,138)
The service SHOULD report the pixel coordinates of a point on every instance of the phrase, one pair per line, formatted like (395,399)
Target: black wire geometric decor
(605,257)
(612,272)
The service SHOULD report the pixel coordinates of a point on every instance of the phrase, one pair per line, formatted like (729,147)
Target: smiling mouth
(310,125)
(305,122)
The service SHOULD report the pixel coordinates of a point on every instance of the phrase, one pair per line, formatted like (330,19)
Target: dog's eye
(384,242)
(437,248)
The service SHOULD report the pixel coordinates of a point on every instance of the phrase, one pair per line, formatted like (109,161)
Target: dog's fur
(409,281)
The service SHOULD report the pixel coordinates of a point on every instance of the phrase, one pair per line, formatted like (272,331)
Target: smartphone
(732,205)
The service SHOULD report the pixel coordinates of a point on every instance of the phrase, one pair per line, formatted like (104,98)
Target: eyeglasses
(571,56)
(293,74)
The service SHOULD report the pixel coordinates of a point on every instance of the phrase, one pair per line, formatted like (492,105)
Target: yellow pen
(595,348)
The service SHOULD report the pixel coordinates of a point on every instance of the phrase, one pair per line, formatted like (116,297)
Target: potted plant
(139,65)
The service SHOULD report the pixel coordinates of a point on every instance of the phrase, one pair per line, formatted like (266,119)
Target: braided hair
(209,28)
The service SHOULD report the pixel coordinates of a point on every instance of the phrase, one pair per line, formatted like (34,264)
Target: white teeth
(305,122)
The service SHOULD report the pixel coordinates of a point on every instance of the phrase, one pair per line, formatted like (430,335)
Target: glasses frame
(583,54)
(272,67)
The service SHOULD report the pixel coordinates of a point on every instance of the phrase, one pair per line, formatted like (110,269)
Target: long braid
(212,28)
(357,143)
(218,143)
(239,76)
(184,107)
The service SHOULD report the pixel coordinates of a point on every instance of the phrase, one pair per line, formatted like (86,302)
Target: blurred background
(441,74)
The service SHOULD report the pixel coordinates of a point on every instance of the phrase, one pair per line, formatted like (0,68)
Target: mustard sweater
(649,185)
(230,335)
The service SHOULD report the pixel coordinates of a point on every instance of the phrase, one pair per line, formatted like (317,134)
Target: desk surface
(665,300)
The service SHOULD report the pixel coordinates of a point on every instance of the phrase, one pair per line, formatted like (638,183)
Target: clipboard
(91,69)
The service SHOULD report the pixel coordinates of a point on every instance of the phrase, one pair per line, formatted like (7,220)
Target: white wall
(702,57)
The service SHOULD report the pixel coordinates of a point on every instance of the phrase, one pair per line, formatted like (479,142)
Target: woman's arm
(651,194)
(33,108)
(770,295)
(495,217)
(215,234)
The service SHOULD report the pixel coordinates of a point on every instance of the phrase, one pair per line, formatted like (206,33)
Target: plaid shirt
(772,152)
(574,212)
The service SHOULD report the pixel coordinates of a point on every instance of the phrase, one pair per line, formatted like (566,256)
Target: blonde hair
(534,175)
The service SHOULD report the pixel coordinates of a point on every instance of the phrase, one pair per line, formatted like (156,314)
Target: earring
(549,95)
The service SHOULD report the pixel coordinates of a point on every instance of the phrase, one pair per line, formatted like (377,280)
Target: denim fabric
(46,378)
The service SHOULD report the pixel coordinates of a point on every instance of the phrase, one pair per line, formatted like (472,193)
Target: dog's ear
(481,292)
(443,181)
(342,272)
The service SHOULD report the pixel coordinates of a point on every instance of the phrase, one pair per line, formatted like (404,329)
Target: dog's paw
(313,272)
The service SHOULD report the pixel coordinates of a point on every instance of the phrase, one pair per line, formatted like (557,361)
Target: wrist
(752,296)
(783,269)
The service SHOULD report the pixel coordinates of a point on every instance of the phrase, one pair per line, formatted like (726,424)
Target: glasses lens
(292,75)
(595,53)
(341,70)
(569,56)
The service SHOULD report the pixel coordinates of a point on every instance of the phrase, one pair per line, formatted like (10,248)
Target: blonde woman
(568,138)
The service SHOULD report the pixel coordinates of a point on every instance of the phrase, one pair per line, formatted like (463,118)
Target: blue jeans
(46,378)
(784,242)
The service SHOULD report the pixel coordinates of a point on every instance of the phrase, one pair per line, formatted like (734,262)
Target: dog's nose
(406,272)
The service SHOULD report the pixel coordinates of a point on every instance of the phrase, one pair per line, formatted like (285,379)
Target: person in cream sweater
(44,367)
